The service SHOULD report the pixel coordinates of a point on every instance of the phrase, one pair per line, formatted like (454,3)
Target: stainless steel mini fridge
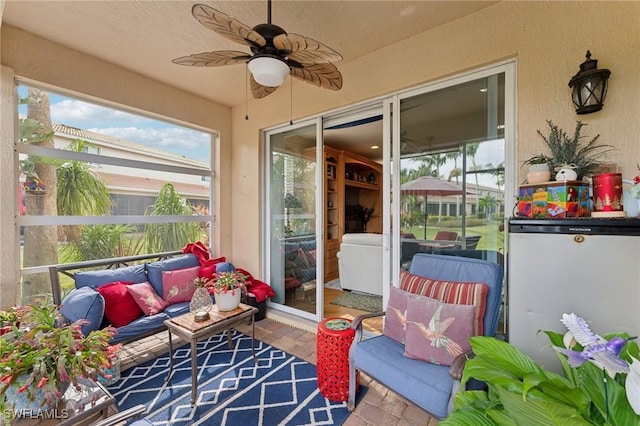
(587,266)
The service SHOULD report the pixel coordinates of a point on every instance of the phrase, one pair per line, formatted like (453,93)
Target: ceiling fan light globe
(268,71)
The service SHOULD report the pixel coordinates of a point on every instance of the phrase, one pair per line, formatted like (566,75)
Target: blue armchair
(432,387)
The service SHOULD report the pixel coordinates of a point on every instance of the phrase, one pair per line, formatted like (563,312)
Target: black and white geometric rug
(280,389)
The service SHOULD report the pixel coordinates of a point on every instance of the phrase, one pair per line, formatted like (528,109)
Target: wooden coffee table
(185,327)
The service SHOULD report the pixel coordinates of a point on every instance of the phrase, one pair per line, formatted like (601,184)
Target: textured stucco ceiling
(144,36)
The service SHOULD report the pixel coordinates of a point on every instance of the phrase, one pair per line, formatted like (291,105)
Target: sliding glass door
(293,238)
(445,184)
(451,154)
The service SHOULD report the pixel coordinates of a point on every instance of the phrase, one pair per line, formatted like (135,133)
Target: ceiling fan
(274,53)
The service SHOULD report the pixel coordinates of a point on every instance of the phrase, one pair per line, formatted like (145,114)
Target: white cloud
(132,128)
(79,114)
(172,139)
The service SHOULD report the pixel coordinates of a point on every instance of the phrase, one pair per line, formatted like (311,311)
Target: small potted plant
(42,355)
(228,288)
(538,169)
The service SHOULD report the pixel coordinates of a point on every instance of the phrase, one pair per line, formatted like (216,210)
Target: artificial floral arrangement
(600,386)
(43,354)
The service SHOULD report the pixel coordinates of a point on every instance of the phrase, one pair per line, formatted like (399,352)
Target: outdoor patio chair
(471,241)
(446,235)
(430,386)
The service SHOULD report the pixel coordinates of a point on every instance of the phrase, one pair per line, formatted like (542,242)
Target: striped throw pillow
(460,293)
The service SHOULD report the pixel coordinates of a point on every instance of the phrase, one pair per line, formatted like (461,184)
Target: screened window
(98,182)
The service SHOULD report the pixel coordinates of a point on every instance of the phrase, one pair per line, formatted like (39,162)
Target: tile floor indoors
(378,407)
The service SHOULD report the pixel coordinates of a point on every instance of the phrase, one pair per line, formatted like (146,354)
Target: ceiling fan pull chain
(246,92)
(290,101)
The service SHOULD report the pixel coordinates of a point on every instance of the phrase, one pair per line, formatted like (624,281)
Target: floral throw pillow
(437,332)
(147,298)
(177,286)
(395,317)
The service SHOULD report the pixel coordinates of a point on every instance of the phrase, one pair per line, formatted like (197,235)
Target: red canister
(607,195)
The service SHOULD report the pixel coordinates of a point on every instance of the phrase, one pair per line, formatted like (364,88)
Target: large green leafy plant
(521,392)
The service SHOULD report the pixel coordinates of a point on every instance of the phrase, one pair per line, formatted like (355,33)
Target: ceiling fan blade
(226,26)
(258,90)
(213,59)
(324,75)
(305,50)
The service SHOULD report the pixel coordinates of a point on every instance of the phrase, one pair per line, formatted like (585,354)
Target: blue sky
(130,127)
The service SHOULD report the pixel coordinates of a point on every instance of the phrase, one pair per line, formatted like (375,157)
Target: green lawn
(491,237)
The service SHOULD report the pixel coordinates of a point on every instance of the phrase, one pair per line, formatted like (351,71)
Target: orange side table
(335,336)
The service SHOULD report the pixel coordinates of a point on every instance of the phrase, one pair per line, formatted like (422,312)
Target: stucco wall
(548,40)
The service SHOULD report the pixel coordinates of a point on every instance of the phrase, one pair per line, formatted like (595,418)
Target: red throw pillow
(119,306)
(437,332)
(147,298)
(461,293)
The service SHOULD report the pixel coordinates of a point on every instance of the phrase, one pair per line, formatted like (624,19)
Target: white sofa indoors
(360,263)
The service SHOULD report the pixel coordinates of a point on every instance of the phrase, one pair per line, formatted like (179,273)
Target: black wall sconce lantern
(589,86)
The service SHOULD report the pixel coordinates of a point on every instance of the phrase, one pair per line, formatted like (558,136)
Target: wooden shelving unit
(362,186)
(334,214)
(348,179)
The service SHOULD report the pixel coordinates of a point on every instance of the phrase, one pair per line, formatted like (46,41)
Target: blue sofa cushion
(384,356)
(93,279)
(144,324)
(155,269)
(84,303)
(176,309)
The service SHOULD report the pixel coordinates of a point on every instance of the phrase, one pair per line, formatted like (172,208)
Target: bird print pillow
(394,319)
(437,332)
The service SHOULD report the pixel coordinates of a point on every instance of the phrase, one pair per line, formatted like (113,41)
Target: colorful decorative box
(554,199)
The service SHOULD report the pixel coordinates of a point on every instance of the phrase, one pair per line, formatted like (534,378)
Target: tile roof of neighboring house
(121,184)
(123,144)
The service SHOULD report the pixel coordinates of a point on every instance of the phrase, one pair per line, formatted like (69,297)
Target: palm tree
(456,172)
(488,204)
(81,192)
(40,242)
(471,150)
(161,237)
(498,172)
